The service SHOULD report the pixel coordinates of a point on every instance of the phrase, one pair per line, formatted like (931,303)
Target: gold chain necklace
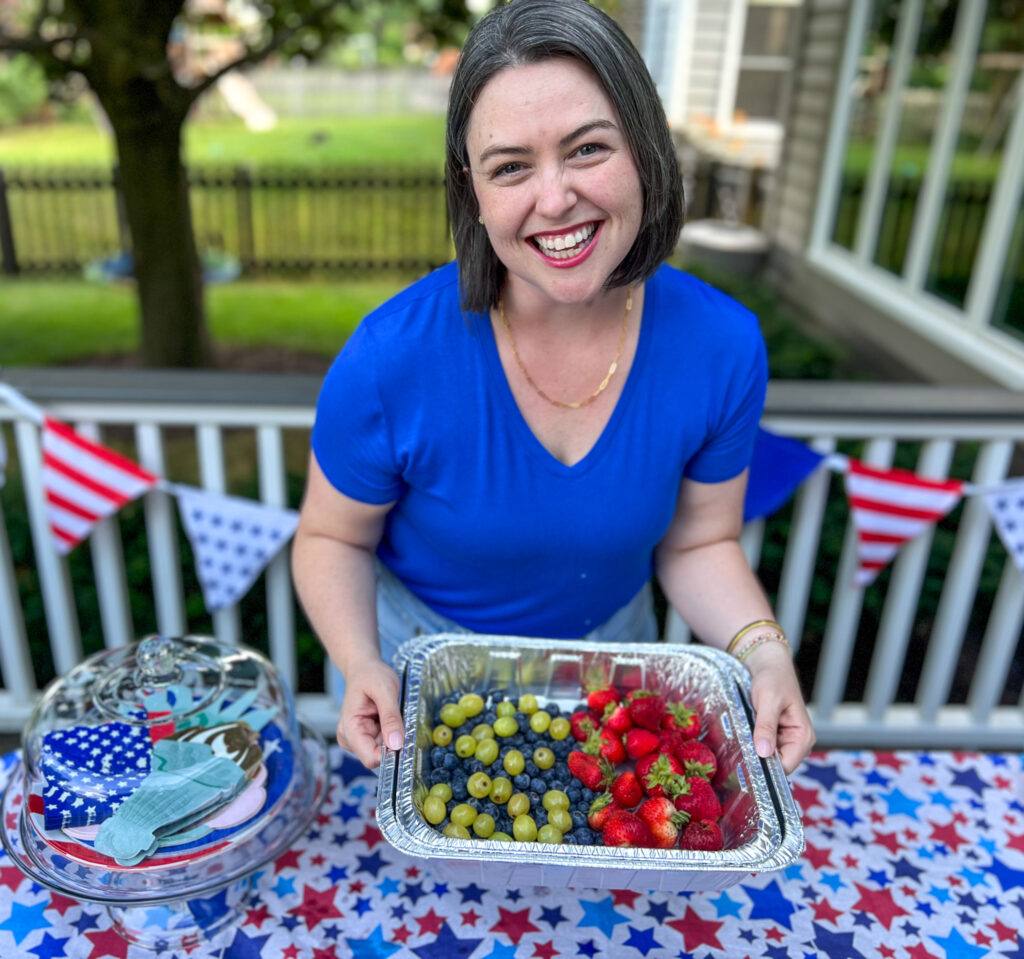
(579,404)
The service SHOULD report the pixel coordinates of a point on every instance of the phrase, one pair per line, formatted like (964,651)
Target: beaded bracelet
(770,623)
(760,640)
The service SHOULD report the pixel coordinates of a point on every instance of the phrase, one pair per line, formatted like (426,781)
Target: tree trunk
(170,284)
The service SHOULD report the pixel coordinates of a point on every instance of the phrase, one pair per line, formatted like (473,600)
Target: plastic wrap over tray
(760,824)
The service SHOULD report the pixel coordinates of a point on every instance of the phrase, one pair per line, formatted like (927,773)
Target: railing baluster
(14,653)
(280,610)
(108,569)
(997,648)
(58,600)
(802,547)
(903,595)
(961,584)
(162,537)
(844,612)
(227,623)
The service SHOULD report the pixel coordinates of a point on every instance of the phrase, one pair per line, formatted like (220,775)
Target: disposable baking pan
(760,824)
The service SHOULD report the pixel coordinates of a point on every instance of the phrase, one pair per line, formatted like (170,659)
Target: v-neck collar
(507,398)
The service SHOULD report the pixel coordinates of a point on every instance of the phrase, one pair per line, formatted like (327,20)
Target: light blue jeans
(401,616)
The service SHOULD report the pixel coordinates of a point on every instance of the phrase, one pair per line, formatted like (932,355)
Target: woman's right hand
(370,716)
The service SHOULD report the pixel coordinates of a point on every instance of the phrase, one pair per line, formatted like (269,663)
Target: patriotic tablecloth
(908,855)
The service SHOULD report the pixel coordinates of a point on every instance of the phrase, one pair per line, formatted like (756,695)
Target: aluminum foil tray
(761,824)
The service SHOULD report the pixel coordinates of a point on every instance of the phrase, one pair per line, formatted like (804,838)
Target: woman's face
(557,187)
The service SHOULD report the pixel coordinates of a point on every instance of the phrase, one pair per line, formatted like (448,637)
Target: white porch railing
(259,425)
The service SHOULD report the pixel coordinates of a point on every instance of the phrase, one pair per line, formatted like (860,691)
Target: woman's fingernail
(395,741)
(764,748)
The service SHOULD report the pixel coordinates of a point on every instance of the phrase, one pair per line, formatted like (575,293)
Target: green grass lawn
(413,140)
(50,323)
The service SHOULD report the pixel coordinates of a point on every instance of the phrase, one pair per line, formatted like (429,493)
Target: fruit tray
(760,822)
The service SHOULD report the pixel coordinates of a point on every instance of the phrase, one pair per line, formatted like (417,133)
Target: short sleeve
(728,449)
(351,439)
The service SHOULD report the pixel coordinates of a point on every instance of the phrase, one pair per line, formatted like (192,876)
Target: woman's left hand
(781,720)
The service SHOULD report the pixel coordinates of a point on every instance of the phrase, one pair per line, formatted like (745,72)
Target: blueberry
(538,785)
(531,767)
(578,820)
(575,794)
(437,776)
(491,809)
(531,736)
(459,791)
(521,782)
(540,817)
(588,794)
(475,766)
(552,709)
(569,840)
(437,757)
(451,761)
(535,800)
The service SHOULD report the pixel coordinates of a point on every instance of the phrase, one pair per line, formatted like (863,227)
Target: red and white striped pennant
(891,507)
(84,482)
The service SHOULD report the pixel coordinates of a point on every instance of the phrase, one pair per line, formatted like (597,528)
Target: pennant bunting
(84,482)
(1006,506)
(778,467)
(233,540)
(891,507)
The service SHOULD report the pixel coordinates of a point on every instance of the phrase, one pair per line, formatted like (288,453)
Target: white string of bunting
(233,539)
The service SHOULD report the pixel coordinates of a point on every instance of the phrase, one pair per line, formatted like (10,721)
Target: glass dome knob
(157,661)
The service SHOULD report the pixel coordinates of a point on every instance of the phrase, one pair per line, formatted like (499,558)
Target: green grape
(434,810)
(483,825)
(472,704)
(555,799)
(559,728)
(540,721)
(514,762)
(543,757)
(487,751)
(441,735)
(452,715)
(455,831)
(501,790)
(560,819)
(479,785)
(505,726)
(518,803)
(505,708)
(465,746)
(524,828)
(549,833)
(443,790)
(463,815)
(500,837)
(528,704)
(482,731)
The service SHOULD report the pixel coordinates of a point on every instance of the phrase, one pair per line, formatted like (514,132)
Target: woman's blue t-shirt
(488,528)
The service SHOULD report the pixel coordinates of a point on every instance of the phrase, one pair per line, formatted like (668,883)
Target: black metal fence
(271,221)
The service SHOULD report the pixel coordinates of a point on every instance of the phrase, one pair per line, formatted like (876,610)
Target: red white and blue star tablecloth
(909,856)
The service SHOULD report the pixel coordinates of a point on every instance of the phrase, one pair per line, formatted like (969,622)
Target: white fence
(222,426)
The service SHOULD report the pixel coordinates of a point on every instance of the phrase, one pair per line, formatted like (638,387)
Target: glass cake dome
(161,773)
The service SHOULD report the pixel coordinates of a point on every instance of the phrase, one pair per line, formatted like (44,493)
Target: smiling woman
(517,441)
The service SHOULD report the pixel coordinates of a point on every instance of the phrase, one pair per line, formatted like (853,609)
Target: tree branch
(35,44)
(253,56)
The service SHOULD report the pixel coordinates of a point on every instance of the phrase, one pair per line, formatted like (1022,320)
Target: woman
(513,444)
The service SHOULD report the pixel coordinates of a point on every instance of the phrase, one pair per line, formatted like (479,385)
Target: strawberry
(678,718)
(600,809)
(640,742)
(663,820)
(662,776)
(697,759)
(626,790)
(698,800)
(623,828)
(600,699)
(701,834)
(581,724)
(616,718)
(589,770)
(646,709)
(607,744)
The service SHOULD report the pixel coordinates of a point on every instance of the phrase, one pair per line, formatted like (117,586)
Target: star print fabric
(910,855)
(91,770)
